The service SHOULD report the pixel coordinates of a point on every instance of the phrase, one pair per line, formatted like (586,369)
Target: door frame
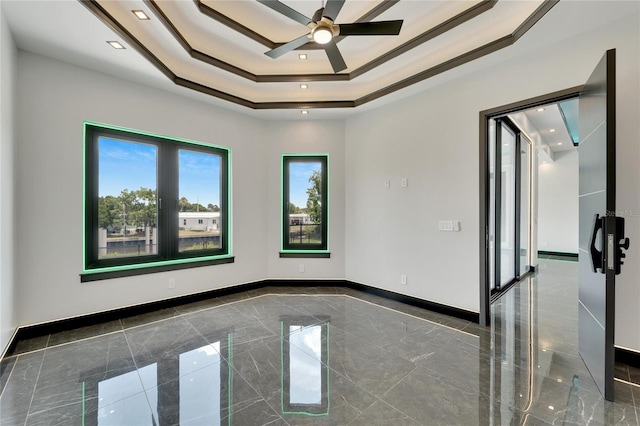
(485,116)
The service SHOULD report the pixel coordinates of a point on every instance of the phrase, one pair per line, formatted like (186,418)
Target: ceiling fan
(323,30)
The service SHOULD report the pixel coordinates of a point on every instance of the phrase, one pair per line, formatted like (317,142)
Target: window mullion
(168,184)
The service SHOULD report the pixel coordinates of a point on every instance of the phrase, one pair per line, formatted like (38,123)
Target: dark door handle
(597,256)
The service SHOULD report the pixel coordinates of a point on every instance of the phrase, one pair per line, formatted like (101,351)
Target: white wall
(432,139)
(292,137)
(8,63)
(54,100)
(558,203)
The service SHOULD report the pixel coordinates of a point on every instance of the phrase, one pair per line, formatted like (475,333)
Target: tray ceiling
(218,47)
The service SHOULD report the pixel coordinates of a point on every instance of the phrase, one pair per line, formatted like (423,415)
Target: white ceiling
(225,67)
(551,127)
(195,48)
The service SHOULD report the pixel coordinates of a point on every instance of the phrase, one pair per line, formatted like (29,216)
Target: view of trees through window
(128,217)
(305,202)
(199,186)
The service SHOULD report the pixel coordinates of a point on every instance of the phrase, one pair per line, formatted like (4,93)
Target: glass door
(525,204)
(510,204)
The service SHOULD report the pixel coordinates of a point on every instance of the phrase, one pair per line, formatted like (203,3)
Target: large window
(304,206)
(152,203)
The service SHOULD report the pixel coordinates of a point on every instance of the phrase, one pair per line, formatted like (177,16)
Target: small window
(304,206)
(137,186)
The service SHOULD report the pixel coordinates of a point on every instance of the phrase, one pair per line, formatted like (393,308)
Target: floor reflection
(321,356)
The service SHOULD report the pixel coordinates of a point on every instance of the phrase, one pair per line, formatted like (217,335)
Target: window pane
(127,193)
(305,202)
(492,203)
(199,204)
(525,194)
(508,206)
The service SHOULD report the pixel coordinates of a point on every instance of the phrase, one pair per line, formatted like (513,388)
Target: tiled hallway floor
(290,356)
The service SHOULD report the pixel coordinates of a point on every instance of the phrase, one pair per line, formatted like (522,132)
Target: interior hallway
(289,356)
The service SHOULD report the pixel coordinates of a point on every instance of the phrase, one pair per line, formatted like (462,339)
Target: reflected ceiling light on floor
(540,109)
(551,407)
(116,44)
(304,86)
(559,143)
(552,130)
(304,112)
(302,56)
(140,15)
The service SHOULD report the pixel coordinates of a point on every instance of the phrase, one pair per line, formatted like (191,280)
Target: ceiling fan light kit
(323,30)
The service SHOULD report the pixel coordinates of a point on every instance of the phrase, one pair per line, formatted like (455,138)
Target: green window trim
(167,252)
(313,236)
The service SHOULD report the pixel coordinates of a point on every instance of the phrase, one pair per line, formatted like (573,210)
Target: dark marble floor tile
(77,372)
(303,387)
(621,371)
(6,367)
(560,403)
(157,348)
(321,356)
(131,410)
(84,332)
(29,345)
(211,394)
(220,322)
(382,414)
(269,312)
(364,320)
(369,366)
(634,375)
(430,399)
(148,318)
(18,393)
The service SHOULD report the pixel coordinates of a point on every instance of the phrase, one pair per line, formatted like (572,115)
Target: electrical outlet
(403,279)
(300,268)
(404,182)
(387,184)
(172,283)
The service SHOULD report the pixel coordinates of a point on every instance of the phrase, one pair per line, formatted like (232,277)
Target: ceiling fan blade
(332,8)
(371,28)
(288,47)
(337,63)
(286,11)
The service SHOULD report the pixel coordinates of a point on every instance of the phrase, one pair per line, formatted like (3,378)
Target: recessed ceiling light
(304,86)
(116,44)
(552,130)
(304,112)
(140,15)
(302,56)
(540,109)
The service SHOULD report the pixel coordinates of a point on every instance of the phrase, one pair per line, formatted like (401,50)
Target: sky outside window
(299,174)
(125,165)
